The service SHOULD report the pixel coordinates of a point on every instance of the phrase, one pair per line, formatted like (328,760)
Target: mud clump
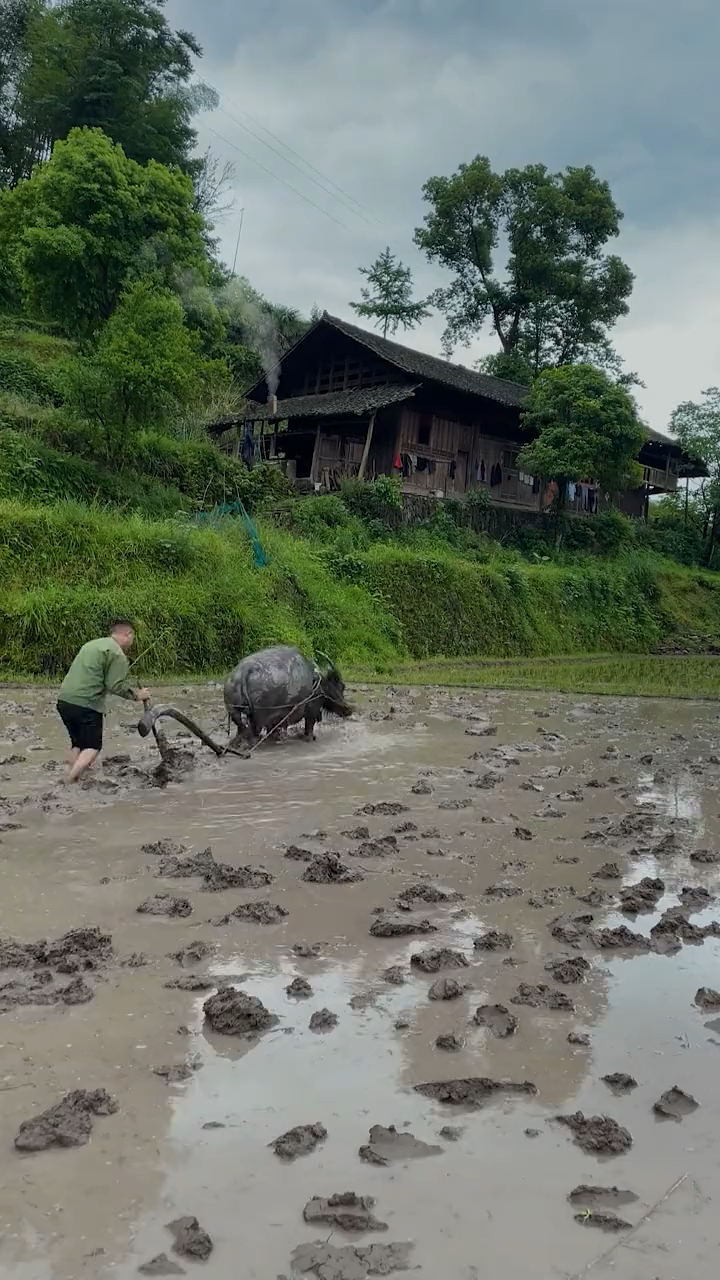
(299,989)
(449,1042)
(222,875)
(540,996)
(300,1141)
(328,868)
(190,982)
(421,788)
(695,898)
(642,896)
(191,1240)
(261,912)
(385,1145)
(497,1019)
(165,904)
(674,926)
(390,925)
(163,849)
(433,959)
(427,892)
(192,953)
(395,975)
(234,1013)
(68,1123)
(674,1104)
(76,992)
(323,1020)
(296,854)
(620,938)
(579,1038)
(179,868)
(608,871)
(160,1265)
(356,833)
(493,940)
(707,998)
(345,1210)
(350,1262)
(591,1197)
(307,950)
(385,809)
(603,1221)
(598,1135)
(572,930)
(384,847)
(705,857)
(568,969)
(445,989)
(620,1082)
(84,948)
(503,890)
(472,1091)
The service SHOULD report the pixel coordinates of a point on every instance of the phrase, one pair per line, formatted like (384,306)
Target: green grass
(620,675)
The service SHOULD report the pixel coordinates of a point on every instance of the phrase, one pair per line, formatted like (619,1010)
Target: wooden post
(366,446)
(316,455)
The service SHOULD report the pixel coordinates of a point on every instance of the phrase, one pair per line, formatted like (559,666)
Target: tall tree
(88,221)
(145,368)
(116,65)
(389,299)
(585,427)
(558,295)
(697,427)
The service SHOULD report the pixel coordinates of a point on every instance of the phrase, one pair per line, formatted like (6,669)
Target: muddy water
(494,1201)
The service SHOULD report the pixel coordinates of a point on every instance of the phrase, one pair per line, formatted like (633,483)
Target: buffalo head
(332,688)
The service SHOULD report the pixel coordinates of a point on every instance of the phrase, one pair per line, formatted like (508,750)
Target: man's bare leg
(84,761)
(73,755)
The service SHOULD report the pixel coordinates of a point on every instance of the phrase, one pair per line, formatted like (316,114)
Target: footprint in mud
(674,1104)
(385,1145)
(346,1211)
(497,1019)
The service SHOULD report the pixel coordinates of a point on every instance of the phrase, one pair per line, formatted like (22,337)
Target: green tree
(145,369)
(558,294)
(389,299)
(89,220)
(114,65)
(585,427)
(697,427)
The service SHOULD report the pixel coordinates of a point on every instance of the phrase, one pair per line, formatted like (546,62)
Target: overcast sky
(378,95)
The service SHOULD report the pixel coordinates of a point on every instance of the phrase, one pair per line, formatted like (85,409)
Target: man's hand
(142,695)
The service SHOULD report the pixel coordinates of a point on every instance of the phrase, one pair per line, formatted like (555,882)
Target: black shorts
(84,725)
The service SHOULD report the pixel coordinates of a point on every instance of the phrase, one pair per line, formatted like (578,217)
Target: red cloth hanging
(397,464)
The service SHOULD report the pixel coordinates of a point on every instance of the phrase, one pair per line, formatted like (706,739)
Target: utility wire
(277,178)
(359,210)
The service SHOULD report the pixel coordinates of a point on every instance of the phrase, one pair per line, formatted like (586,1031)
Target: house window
(424,430)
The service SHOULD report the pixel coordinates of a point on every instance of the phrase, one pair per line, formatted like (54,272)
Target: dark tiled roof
(420,365)
(334,403)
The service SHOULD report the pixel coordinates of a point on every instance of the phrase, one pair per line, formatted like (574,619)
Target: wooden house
(346,402)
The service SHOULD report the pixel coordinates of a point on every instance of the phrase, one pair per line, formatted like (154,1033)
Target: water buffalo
(266,692)
(278,687)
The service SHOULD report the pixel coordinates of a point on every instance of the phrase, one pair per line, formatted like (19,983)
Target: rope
(293,707)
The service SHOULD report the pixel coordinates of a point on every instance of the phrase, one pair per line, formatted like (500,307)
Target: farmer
(99,668)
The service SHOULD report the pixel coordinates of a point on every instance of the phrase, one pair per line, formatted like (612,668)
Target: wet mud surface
(498,911)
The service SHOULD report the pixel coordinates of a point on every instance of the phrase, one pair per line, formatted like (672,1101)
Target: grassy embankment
(405,616)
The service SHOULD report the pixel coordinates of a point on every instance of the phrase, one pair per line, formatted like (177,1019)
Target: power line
(359,211)
(277,178)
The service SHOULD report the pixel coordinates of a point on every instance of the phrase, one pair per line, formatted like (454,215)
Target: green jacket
(99,668)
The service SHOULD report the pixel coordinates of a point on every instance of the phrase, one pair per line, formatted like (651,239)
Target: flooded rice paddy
(456,895)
